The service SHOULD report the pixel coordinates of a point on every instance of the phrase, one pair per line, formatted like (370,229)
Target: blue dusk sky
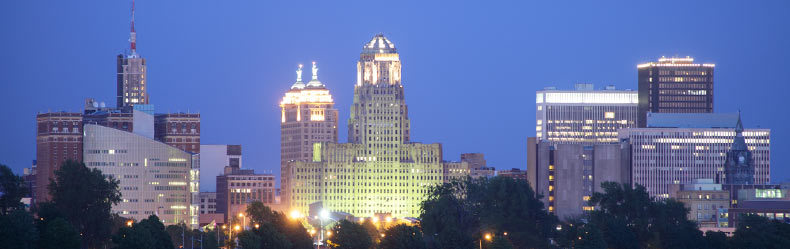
(470,68)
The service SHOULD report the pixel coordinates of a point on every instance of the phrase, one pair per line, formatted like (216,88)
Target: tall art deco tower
(380,172)
(131,82)
(308,116)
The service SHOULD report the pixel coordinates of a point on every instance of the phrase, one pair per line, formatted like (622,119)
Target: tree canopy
(78,190)
(12,188)
(148,233)
(402,236)
(457,214)
(349,235)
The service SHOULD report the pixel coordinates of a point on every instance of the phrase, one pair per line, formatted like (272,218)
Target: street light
(257,226)
(295,214)
(129,223)
(237,228)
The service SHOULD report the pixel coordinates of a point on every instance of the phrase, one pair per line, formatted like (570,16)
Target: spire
(133,35)
(298,84)
(739,125)
(314,82)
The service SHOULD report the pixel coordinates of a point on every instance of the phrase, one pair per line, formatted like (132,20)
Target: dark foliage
(77,191)
(12,188)
(402,237)
(349,235)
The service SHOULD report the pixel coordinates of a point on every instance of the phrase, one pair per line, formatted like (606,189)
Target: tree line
(496,212)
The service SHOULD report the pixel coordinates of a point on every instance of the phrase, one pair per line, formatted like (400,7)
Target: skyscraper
(674,85)
(380,171)
(131,82)
(308,116)
(584,115)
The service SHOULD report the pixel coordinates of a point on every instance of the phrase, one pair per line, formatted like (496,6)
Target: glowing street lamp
(237,228)
(257,226)
(488,236)
(129,223)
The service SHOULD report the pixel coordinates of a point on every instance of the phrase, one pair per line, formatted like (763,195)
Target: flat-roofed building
(567,175)
(584,115)
(238,187)
(660,157)
(674,85)
(706,200)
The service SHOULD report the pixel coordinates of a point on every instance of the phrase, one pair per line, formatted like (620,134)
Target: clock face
(741,159)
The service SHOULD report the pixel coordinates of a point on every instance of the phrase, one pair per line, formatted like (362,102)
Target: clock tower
(739,167)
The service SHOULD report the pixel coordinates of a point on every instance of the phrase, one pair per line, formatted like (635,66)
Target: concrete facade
(568,174)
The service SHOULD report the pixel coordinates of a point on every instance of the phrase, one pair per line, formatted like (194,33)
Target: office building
(154,178)
(238,187)
(706,200)
(661,155)
(308,116)
(380,170)
(131,80)
(674,85)
(567,175)
(213,160)
(584,115)
(58,139)
(471,165)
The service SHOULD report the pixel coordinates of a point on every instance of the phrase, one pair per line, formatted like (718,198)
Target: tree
(629,218)
(716,239)
(402,236)
(18,231)
(577,234)
(457,214)
(59,233)
(148,233)
(500,242)
(77,191)
(349,235)
(447,221)
(292,230)
(12,188)
(250,240)
(270,237)
(759,232)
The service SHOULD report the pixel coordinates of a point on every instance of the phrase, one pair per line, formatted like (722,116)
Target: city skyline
(245,81)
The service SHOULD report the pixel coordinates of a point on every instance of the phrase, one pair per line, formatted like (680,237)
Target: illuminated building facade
(661,156)
(308,116)
(131,81)
(584,115)
(380,171)
(567,175)
(155,178)
(674,85)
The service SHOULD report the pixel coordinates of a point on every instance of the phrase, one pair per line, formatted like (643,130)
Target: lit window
(609,115)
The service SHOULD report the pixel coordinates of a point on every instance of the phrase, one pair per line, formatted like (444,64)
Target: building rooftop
(692,120)
(379,45)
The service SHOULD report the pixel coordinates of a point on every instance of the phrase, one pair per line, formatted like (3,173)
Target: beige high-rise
(308,116)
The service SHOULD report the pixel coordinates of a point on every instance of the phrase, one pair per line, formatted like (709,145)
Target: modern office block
(674,85)
(663,156)
(566,175)
(155,178)
(584,115)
